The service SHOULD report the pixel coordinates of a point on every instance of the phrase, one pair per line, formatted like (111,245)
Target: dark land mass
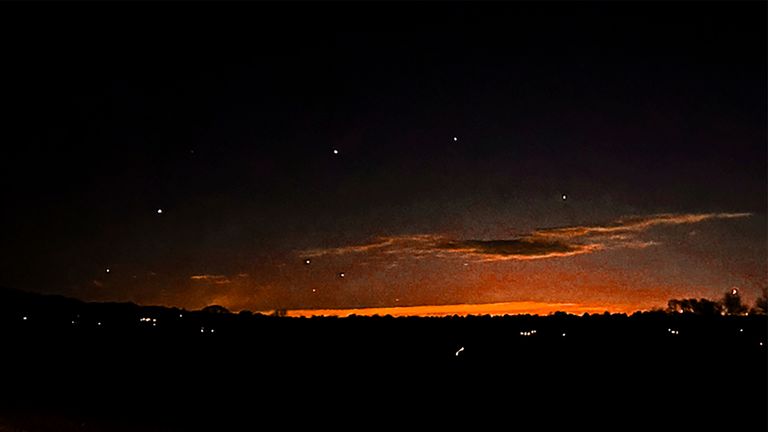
(69,365)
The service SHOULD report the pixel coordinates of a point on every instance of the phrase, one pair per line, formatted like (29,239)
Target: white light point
(565,197)
(342,275)
(459,351)
(181,316)
(98,323)
(24,318)
(335,151)
(307,261)
(741,330)
(455,139)
(107,270)
(211,330)
(314,290)
(563,334)
(159,211)
(734,291)
(202,329)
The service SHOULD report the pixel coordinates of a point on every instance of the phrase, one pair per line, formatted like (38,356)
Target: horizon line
(466,309)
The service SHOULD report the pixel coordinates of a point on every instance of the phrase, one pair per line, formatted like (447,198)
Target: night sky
(499,157)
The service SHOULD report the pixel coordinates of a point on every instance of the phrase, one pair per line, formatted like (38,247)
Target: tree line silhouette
(731,303)
(174,368)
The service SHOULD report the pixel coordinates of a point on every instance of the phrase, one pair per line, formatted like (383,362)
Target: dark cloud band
(539,244)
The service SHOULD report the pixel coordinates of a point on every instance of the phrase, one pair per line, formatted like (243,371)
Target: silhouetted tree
(761,303)
(732,304)
(215,309)
(707,307)
(696,306)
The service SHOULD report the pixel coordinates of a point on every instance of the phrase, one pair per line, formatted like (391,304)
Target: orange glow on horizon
(495,309)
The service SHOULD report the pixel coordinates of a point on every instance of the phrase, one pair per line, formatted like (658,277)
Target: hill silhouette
(121,366)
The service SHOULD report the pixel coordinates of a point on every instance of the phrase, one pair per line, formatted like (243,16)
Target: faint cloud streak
(214,279)
(539,244)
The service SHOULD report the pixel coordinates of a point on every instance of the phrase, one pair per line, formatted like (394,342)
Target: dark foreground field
(61,370)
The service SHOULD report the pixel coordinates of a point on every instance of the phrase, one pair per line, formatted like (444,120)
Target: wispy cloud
(539,244)
(413,244)
(214,279)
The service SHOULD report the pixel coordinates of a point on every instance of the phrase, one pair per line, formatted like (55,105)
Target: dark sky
(649,117)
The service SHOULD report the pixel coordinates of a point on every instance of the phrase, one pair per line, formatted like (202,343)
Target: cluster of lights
(202,330)
(528,333)
(674,332)
(149,320)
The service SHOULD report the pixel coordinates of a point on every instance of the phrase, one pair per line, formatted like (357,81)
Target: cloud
(539,244)
(214,279)
(634,224)
(520,248)
(408,243)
